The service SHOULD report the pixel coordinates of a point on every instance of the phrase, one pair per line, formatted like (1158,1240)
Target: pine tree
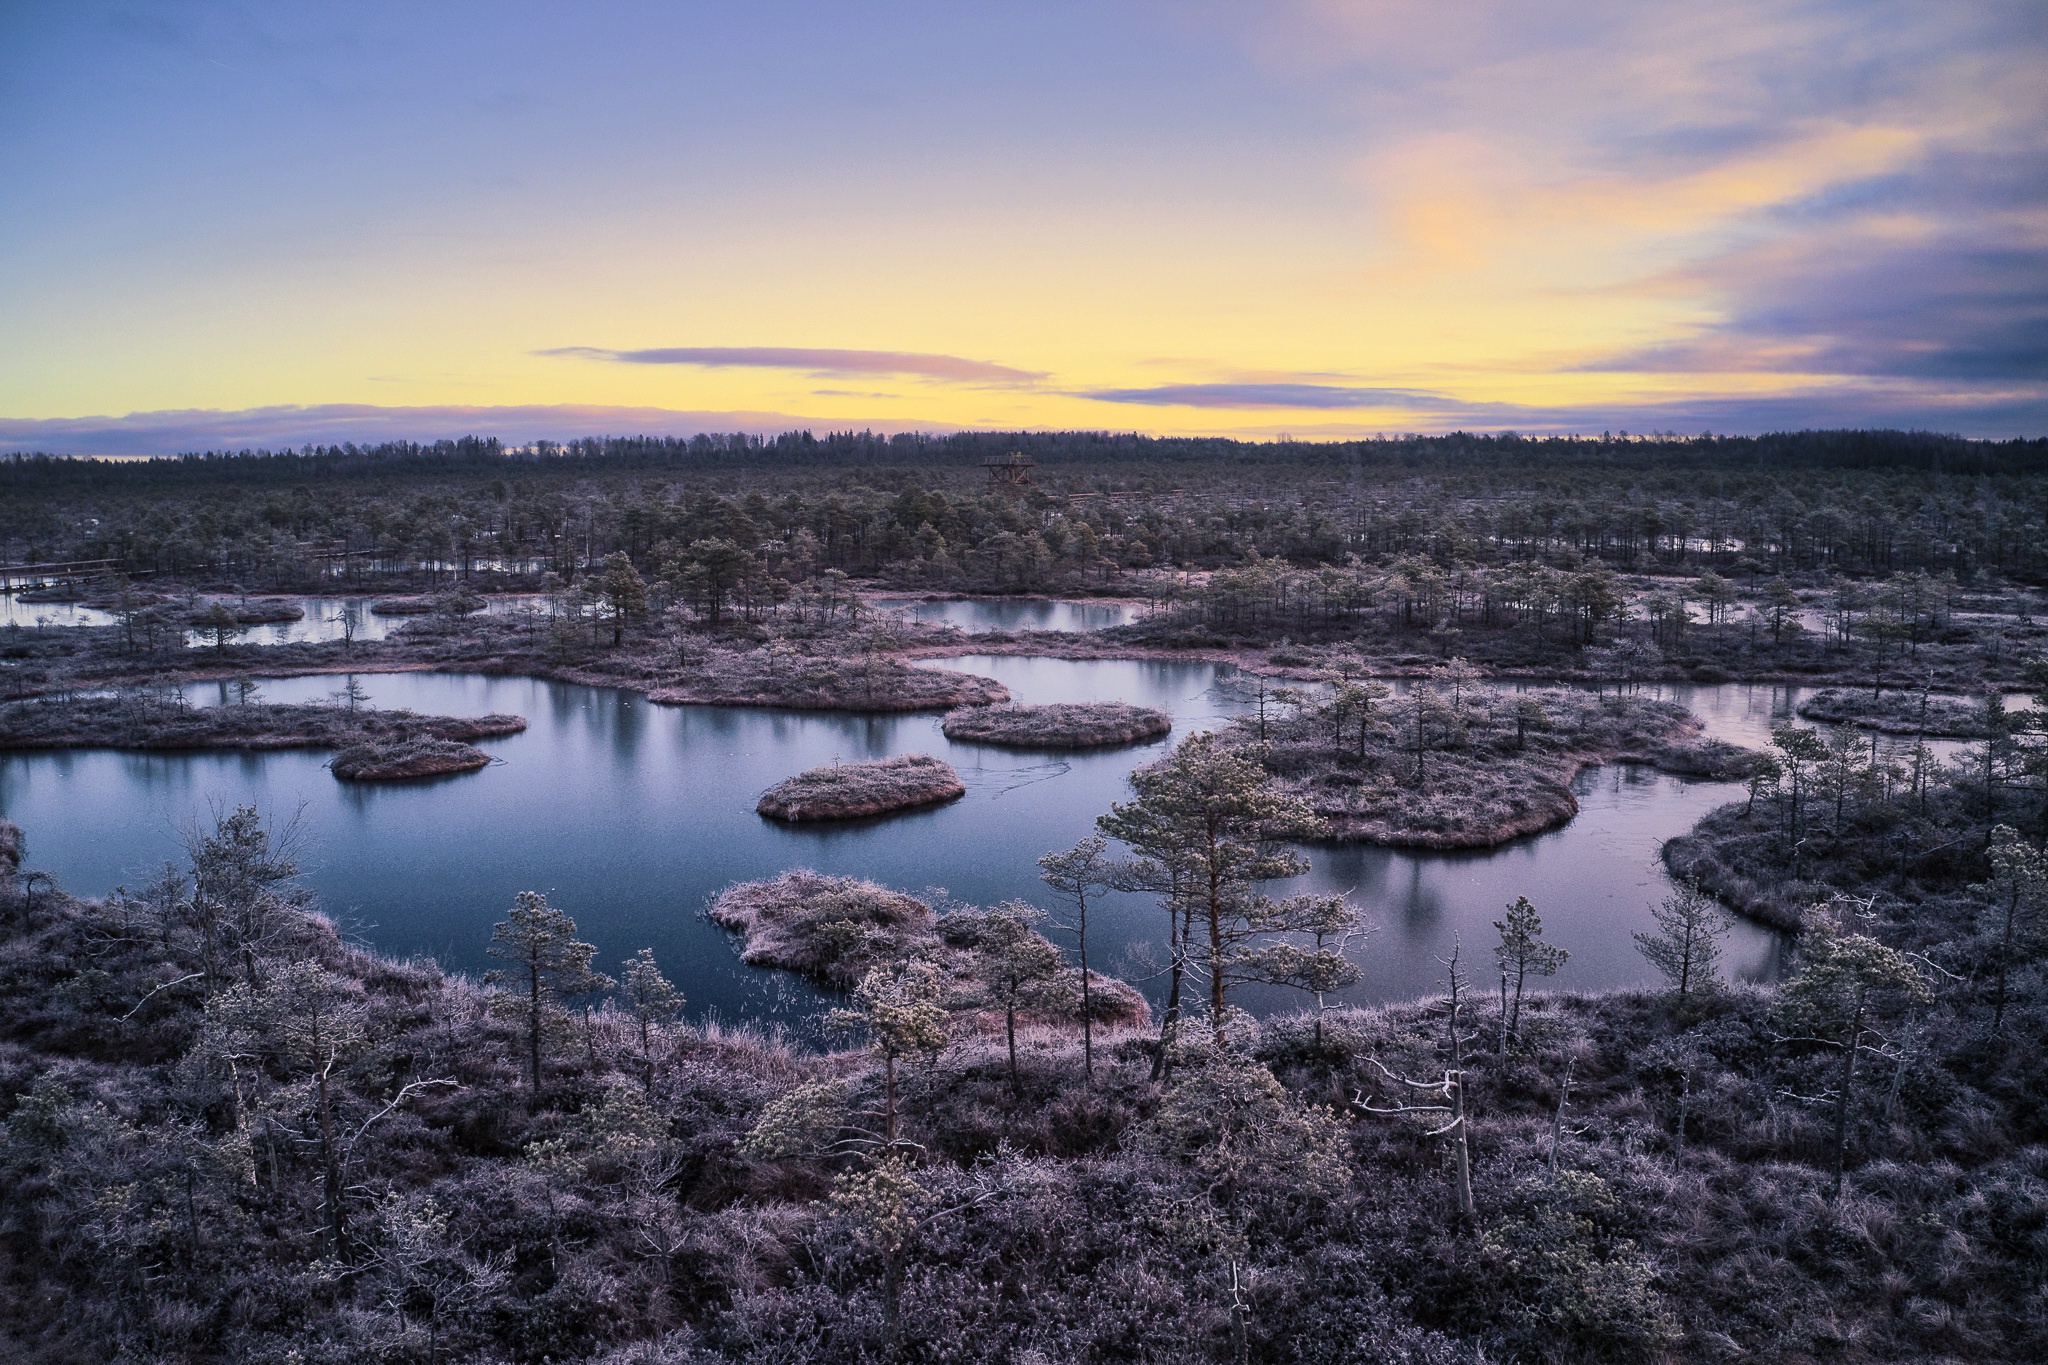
(1081,874)
(2018,889)
(653,1000)
(1319,967)
(1685,947)
(221,623)
(902,1011)
(625,592)
(1522,953)
(241,899)
(1019,967)
(1846,984)
(1207,827)
(547,962)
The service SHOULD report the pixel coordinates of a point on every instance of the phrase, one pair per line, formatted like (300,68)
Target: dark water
(632,815)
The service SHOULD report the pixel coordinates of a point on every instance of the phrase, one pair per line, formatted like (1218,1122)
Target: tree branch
(164,986)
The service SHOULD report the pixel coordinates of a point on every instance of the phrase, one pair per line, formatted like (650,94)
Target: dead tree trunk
(1452,1090)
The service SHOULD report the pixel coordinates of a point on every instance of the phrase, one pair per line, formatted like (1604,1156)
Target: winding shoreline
(400,655)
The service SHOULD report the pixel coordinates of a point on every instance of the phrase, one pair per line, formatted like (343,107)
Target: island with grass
(372,745)
(1061,725)
(852,791)
(824,681)
(835,930)
(397,760)
(1455,763)
(1918,712)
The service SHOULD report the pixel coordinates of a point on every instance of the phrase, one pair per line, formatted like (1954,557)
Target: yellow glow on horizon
(1466,271)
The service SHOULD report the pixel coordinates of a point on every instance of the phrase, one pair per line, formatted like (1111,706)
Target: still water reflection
(632,815)
(979,614)
(325,617)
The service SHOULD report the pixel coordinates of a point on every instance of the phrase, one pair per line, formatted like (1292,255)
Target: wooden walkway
(14,576)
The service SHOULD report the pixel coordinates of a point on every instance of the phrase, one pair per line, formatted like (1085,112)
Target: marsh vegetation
(373,744)
(1060,725)
(851,791)
(230,1133)
(1454,762)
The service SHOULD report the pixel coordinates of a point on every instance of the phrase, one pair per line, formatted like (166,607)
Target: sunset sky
(239,224)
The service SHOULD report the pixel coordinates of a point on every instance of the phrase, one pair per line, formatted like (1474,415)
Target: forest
(233,1130)
(920,508)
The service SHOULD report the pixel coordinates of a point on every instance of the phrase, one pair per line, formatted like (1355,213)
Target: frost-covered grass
(1909,853)
(1477,767)
(140,720)
(1061,725)
(849,791)
(835,929)
(831,928)
(395,760)
(824,682)
(169,1061)
(1899,713)
(402,606)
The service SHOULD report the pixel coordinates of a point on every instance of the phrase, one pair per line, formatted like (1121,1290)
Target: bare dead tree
(1564,1097)
(1452,1090)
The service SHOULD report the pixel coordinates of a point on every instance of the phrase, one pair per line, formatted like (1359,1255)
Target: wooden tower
(1010,471)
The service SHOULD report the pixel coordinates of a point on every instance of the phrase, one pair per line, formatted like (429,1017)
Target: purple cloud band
(1999,411)
(815,360)
(2003,413)
(190,429)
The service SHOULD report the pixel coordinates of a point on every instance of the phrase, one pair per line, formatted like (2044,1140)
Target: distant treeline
(918,510)
(1904,450)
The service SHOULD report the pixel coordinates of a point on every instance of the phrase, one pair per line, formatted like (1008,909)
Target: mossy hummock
(398,761)
(835,929)
(1900,713)
(1062,725)
(372,745)
(849,791)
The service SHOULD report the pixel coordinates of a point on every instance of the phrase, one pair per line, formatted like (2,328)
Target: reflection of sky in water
(15,612)
(1013,613)
(632,815)
(323,620)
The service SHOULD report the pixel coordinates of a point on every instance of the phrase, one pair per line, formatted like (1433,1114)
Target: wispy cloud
(2006,410)
(1272,395)
(814,360)
(192,429)
(1822,190)
(2016,410)
(1960,304)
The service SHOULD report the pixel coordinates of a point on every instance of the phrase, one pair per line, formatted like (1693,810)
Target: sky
(233,224)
